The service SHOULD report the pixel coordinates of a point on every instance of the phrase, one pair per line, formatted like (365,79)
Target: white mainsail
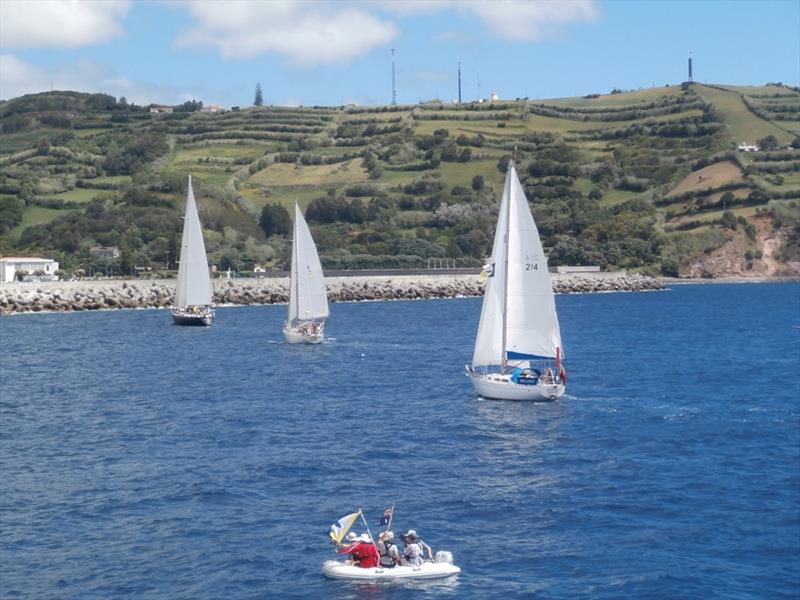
(519,312)
(308,298)
(194,282)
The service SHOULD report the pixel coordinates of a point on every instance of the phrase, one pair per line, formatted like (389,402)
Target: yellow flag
(342,526)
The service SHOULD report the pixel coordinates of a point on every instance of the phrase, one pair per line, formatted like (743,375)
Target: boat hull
(500,387)
(202,319)
(335,569)
(303,334)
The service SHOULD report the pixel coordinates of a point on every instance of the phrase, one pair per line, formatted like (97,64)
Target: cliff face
(745,258)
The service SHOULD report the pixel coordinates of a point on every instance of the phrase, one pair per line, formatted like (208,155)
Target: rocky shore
(108,294)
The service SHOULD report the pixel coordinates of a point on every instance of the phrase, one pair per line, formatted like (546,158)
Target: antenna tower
(690,67)
(394,87)
(459,82)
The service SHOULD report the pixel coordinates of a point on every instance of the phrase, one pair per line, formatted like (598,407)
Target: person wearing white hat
(390,555)
(363,551)
(413,554)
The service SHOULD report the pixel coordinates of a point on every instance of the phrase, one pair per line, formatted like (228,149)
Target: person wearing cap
(390,555)
(363,552)
(413,554)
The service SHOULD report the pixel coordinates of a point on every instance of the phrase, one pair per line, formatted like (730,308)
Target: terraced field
(602,172)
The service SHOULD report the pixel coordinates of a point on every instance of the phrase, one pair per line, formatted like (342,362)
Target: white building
(30,268)
(213,108)
(745,147)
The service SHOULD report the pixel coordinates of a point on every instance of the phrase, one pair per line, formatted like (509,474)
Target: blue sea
(143,460)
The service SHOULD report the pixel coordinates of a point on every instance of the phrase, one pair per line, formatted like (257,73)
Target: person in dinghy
(363,551)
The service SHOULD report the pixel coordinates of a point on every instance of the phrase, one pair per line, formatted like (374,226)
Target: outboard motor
(444,556)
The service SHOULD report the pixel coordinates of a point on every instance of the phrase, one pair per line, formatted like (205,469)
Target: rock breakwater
(110,294)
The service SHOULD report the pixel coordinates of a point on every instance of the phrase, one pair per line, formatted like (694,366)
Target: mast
(296,261)
(503,360)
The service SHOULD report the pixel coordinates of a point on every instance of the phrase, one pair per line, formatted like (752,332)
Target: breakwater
(111,294)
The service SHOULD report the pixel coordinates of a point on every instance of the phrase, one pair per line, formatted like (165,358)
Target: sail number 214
(531,262)
(531,266)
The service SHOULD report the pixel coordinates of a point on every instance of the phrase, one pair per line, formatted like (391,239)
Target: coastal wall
(105,294)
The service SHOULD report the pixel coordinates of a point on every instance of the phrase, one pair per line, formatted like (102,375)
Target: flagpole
(366,525)
(391,516)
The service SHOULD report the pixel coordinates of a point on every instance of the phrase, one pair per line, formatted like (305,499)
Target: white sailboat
(193,295)
(308,299)
(518,349)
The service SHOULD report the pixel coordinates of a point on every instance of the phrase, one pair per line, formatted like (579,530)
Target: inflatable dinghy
(442,567)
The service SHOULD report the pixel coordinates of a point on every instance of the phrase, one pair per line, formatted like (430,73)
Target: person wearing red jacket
(363,551)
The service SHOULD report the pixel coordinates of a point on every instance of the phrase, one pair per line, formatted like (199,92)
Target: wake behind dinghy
(382,561)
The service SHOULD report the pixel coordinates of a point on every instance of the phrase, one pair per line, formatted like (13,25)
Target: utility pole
(459,82)
(394,86)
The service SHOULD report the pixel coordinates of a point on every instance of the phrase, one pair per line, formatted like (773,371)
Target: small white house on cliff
(27,268)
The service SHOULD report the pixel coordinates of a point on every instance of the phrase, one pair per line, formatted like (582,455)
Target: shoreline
(75,296)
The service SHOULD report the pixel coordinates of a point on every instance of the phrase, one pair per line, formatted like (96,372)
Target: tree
(275,220)
(478,183)
(259,99)
(768,143)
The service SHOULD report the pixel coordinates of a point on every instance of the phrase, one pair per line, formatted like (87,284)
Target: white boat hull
(335,569)
(304,335)
(494,386)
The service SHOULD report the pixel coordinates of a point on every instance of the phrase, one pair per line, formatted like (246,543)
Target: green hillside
(646,179)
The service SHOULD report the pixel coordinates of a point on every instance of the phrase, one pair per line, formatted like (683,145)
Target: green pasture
(83,194)
(288,174)
(462,173)
(743,125)
(791,181)
(617,100)
(118,180)
(792,127)
(458,127)
(763,90)
(191,154)
(211,176)
(37,215)
(283,195)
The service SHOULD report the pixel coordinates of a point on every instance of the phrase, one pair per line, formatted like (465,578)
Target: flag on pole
(387,516)
(342,526)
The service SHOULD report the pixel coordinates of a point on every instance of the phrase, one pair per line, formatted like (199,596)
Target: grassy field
(743,125)
(281,174)
(227,151)
(37,215)
(713,176)
(616,100)
(83,194)
(119,180)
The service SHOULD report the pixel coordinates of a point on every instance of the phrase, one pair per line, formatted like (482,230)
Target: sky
(318,52)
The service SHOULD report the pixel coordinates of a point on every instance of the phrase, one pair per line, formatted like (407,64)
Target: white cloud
(58,23)
(18,77)
(530,21)
(513,20)
(307,33)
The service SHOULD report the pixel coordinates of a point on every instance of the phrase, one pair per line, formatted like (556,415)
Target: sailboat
(308,299)
(518,353)
(193,296)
